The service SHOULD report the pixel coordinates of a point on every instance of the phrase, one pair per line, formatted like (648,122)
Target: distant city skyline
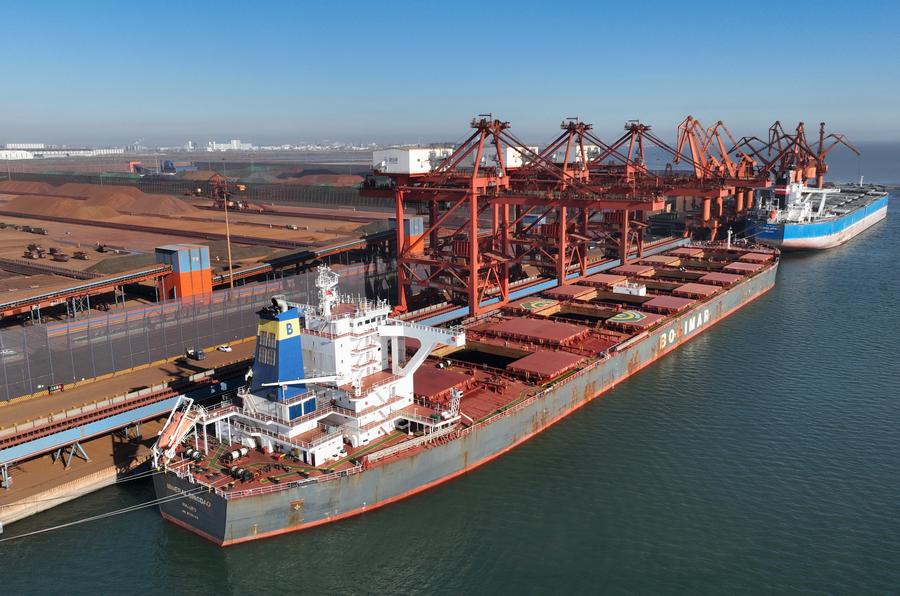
(406,72)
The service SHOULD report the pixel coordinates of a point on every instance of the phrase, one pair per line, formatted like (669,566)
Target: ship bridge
(323,376)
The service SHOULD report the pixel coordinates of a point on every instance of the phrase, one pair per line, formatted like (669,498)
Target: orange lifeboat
(171,434)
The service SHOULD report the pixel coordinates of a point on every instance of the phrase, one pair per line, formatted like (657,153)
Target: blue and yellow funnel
(278,353)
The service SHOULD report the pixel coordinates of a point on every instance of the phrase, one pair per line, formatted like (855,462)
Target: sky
(103,72)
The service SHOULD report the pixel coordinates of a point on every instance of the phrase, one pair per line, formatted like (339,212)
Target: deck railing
(273,488)
(321,410)
(407,445)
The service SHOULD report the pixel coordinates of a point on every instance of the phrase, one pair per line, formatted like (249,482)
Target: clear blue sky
(113,72)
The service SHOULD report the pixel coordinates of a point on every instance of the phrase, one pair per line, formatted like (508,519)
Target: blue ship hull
(824,234)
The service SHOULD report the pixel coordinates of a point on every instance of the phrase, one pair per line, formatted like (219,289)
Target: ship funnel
(279,355)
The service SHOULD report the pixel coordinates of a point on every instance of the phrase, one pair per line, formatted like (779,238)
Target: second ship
(794,216)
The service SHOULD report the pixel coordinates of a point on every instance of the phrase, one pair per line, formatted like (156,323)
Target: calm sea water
(764,456)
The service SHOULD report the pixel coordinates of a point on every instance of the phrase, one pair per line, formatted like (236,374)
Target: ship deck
(269,469)
(849,199)
(517,351)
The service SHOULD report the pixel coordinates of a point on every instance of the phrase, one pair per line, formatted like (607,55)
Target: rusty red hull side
(228,521)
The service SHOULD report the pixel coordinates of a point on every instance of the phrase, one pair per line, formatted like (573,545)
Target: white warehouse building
(232,145)
(25,146)
(421,160)
(513,157)
(412,160)
(10,154)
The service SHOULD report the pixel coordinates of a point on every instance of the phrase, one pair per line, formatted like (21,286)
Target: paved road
(40,406)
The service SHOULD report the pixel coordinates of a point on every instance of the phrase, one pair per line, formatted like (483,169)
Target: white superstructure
(356,383)
(800,204)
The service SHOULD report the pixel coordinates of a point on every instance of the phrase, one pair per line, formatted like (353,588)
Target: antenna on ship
(327,281)
(455,398)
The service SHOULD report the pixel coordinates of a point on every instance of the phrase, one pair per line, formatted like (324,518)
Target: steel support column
(402,284)
(69,452)
(520,226)
(562,259)
(623,238)
(504,250)
(77,304)
(137,431)
(583,256)
(474,284)
(433,237)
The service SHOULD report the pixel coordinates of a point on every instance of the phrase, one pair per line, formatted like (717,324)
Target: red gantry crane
(791,157)
(494,204)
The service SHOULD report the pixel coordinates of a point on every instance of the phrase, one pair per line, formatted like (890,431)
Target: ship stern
(191,506)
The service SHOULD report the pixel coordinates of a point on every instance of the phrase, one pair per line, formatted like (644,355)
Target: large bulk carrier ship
(347,409)
(794,216)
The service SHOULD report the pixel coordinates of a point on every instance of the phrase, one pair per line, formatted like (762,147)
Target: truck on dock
(195,354)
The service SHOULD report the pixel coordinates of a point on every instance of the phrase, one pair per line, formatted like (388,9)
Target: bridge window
(266,339)
(267,355)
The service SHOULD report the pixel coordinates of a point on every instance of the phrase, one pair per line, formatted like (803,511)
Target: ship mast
(326,282)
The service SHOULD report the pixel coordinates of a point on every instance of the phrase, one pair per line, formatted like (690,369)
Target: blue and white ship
(799,217)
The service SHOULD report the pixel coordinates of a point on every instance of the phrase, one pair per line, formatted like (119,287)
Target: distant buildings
(40,150)
(6,154)
(232,145)
(17,151)
(237,145)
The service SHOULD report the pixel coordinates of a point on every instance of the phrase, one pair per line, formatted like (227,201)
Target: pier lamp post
(227,228)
